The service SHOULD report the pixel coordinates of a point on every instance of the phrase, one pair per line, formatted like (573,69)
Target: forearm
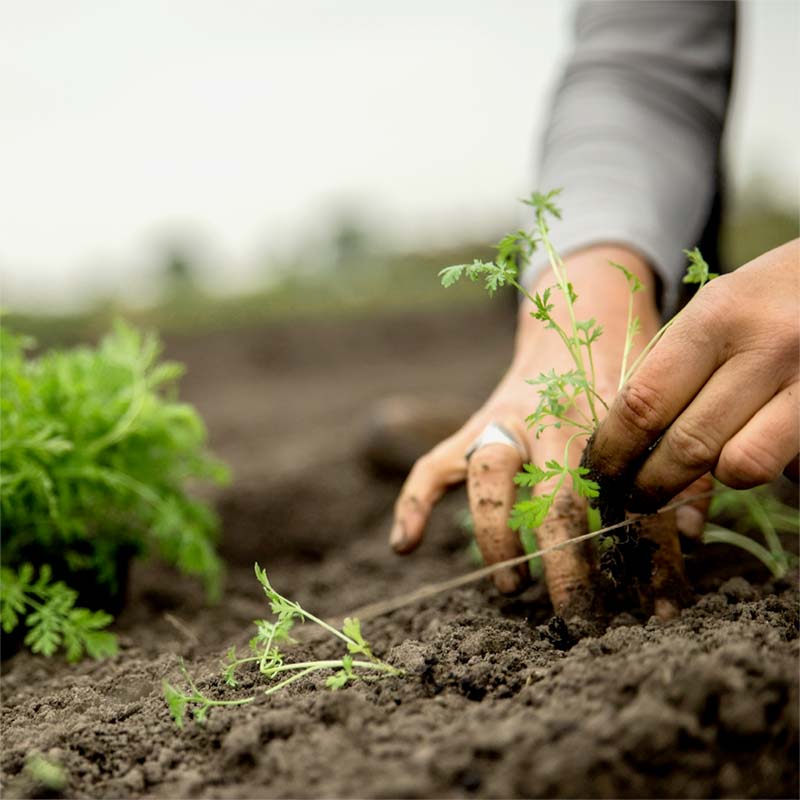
(635,128)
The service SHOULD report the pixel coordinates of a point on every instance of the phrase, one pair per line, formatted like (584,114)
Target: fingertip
(507,580)
(402,539)
(690,521)
(666,608)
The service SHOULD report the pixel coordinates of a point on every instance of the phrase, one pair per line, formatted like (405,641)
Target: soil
(500,699)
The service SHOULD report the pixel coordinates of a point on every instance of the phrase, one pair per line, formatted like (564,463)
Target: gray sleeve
(635,128)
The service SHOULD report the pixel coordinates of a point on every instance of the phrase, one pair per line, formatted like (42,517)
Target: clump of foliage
(265,652)
(96,457)
(567,399)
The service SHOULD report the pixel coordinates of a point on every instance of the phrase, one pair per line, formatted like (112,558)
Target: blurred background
(211,163)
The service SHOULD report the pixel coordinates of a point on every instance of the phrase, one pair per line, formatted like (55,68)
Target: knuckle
(745,464)
(641,408)
(718,301)
(692,448)
(787,342)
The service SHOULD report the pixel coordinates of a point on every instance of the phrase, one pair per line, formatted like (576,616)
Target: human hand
(719,391)
(491,470)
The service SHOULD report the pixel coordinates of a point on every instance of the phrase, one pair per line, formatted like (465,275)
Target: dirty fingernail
(690,521)
(507,581)
(398,538)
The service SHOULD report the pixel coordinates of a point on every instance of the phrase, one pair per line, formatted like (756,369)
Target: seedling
(568,399)
(48,608)
(755,509)
(45,774)
(265,652)
(95,458)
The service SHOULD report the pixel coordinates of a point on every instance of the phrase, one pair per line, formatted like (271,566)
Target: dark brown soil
(500,699)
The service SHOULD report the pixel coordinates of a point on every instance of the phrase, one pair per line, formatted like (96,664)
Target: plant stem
(716,534)
(628,341)
(761,518)
(560,272)
(333,664)
(325,625)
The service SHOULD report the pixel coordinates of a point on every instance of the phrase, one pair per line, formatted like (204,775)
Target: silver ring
(495,433)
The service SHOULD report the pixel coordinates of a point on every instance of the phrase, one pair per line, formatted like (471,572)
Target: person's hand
(490,471)
(719,392)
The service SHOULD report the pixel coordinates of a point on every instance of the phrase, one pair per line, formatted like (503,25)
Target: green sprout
(563,396)
(755,509)
(45,773)
(49,611)
(265,652)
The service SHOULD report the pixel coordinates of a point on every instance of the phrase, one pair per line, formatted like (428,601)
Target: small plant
(45,774)
(53,621)
(754,509)
(265,652)
(568,399)
(95,459)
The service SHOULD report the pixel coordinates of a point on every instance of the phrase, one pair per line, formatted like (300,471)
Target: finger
(691,518)
(692,444)
(648,403)
(765,446)
(668,591)
(492,492)
(490,484)
(568,572)
(426,483)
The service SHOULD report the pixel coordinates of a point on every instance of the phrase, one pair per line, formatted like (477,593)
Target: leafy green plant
(95,461)
(564,396)
(568,399)
(265,652)
(754,510)
(48,608)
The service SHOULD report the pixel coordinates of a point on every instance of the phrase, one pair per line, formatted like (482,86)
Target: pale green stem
(761,518)
(560,272)
(628,342)
(287,681)
(715,534)
(650,345)
(568,445)
(207,701)
(263,659)
(325,625)
(785,521)
(333,664)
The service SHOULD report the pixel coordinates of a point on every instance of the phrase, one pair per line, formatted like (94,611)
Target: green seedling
(265,652)
(95,460)
(754,509)
(569,399)
(49,611)
(45,773)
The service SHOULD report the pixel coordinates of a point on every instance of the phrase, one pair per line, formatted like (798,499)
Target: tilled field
(499,699)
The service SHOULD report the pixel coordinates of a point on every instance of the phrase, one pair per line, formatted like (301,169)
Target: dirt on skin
(499,699)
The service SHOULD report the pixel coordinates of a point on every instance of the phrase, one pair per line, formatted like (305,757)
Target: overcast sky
(242,124)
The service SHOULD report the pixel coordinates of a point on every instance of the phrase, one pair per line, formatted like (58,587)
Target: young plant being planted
(569,399)
(95,461)
(357,660)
